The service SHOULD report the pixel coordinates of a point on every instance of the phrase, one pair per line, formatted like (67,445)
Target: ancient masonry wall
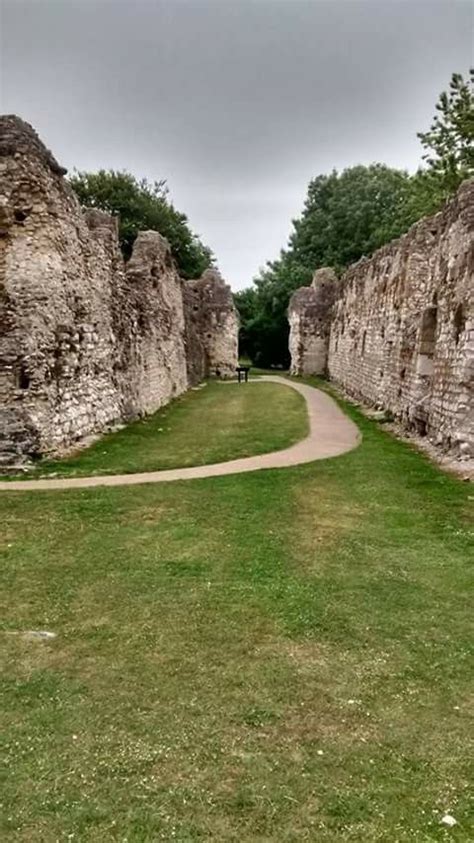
(309,315)
(401,332)
(212,327)
(86,340)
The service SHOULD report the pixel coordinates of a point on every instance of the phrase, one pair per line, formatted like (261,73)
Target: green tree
(267,331)
(143,205)
(246,303)
(449,143)
(350,214)
(345,216)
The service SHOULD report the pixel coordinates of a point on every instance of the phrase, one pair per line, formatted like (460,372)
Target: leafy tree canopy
(345,216)
(143,205)
(449,143)
(350,214)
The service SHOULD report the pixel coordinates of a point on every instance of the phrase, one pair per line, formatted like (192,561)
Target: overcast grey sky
(236,103)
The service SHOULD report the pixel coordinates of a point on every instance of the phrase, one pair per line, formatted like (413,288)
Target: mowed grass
(278,656)
(220,421)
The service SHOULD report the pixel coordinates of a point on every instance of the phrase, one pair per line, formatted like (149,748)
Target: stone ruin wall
(401,332)
(212,328)
(86,340)
(309,316)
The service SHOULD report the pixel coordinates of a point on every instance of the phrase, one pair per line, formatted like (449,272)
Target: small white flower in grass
(448,820)
(74,737)
(320,752)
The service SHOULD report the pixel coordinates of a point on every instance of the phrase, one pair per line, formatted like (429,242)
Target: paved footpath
(331,433)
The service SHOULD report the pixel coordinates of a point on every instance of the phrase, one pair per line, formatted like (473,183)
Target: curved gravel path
(331,433)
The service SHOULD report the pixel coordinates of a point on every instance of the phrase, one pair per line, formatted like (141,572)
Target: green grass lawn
(216,423)
(278,656)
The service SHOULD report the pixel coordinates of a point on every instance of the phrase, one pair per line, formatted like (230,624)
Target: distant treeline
(350,214)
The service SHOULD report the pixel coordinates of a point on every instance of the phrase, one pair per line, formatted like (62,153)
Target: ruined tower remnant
(86,340)
(211,326)
(401,331)
(309,314)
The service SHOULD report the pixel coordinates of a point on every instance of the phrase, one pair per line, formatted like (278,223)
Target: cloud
(238,104)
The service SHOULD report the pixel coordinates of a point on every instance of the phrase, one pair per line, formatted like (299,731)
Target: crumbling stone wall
(309,315)
(212,327)
(150,327)
(85,340)
(402,329)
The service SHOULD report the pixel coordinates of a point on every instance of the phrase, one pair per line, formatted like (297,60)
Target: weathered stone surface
(150,322)
(212,327)
(402,329)
(86,341)
(309,314)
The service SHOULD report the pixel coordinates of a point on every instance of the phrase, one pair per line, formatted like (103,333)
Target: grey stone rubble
(87,341)
(398,333)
